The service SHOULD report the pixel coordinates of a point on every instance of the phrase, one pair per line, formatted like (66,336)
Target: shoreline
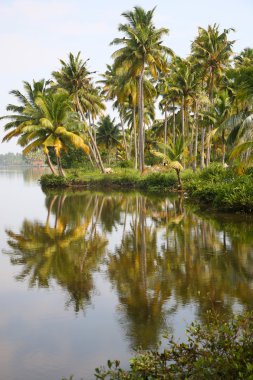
(214,188)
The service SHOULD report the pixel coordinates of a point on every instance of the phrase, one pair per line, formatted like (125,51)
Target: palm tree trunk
(141,125)
(124,136)
(93,142)
(135,139)
(183,119)
(223,148)
(60,169)
(208,147)
(203,133)
(210,127)
(165,125)
(196,148)
(50,164)
(174,124)
(93,155)
(90,159)
(196,137)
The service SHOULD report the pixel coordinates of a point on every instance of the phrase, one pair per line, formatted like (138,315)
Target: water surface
(87,276)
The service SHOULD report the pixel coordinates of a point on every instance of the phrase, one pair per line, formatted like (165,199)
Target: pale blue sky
(34,34)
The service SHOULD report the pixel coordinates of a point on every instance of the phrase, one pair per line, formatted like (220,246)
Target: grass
(120,178)
(214,187)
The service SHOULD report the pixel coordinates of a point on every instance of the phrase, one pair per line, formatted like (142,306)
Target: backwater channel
(87,276)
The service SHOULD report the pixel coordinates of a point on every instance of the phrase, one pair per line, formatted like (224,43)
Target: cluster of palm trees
(205,100)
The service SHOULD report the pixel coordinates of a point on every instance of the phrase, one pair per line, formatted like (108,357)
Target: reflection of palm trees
(134,269)
(165,255)
(68,252)
(168,253)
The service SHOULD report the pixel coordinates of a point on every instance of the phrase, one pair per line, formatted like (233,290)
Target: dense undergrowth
(221,189)
(214,187)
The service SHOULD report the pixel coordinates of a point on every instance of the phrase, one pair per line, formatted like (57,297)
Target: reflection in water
(164,256)
(68,250)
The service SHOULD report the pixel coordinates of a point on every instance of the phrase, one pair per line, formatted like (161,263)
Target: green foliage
(222,189)
(159,181)
(52,181)
(213,351)
(71,158)
(126,164)
(214,172)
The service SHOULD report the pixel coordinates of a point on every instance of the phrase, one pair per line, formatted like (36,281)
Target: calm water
(87,276)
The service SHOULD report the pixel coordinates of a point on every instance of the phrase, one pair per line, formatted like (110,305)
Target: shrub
(158,181)
(51,180)
(213,351)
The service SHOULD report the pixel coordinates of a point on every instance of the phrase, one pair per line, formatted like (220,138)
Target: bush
(158,181)
(125,164)
(213,351)
(51,180)
(214,172)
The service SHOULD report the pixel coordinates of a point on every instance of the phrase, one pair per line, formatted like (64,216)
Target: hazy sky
(34,34)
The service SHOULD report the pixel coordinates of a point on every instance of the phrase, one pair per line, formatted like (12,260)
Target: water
(88,276)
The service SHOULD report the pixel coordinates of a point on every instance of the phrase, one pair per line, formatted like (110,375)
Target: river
(88,276)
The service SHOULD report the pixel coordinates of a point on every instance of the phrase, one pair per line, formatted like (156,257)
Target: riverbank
(216,187)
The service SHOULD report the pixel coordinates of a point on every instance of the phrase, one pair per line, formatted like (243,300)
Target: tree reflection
(67,249)
(167,254)
(165,257)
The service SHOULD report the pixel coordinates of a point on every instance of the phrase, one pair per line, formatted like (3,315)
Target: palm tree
(222,112)
(212,51)
(51,124)
(170,96)
(26,112)
(244,141)
(142,50)
(118,88)
(76,79)
(108,133)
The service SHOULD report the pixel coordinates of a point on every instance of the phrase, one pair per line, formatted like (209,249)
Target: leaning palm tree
(76,79)
(26,110)
(56,126)
(141,50)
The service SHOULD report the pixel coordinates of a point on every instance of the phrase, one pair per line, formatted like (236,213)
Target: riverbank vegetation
(205,102)
(213,351)
(214,187)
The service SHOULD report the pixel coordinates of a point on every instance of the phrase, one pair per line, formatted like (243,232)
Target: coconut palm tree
(212,50)
(108,134)
(52,124)
(141,50)
(76,79)
(221,112)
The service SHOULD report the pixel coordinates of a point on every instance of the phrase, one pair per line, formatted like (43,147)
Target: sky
(35,34)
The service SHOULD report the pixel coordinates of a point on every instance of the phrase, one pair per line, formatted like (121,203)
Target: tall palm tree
(212,51)
(141,50)
(76,79)
(222,112)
